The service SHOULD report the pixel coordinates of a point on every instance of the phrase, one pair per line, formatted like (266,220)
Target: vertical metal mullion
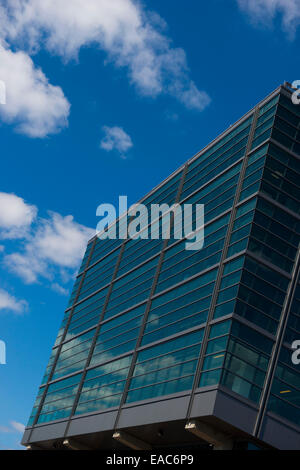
(148,304)
(221,265)
(92,347)
(62,339)
(78,290)
(71,311)
(277,346)
(274,357)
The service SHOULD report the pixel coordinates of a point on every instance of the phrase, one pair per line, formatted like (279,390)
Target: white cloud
(27,266)
(51,247)
(8,302)
(59,289)
(36,107)
(131,36)
(5,429)
(192,98)
(265,11)
(14,426)
(55,245)
(171,115)
(16,216)
(61,240)
(18,426)
(115,138)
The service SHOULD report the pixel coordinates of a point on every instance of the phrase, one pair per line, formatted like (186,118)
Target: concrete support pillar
(131,441)
(207,433)
(33,447)
(75,445)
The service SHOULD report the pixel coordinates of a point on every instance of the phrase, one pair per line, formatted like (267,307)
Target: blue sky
(106,98)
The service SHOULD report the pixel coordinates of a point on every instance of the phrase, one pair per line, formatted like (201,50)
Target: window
(59,399)
(103,386)
(166,368)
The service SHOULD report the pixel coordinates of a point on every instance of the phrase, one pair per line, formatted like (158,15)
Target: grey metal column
(63,337)
(121,248)
(148,305)
(221,266)
(277,347)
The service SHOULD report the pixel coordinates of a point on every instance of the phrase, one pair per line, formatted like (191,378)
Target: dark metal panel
(280,436)
(203,403)
(156,412)
(26,436)
(48,432)
(94,423)
(235,412)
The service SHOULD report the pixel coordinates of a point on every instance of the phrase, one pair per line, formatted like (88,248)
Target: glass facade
(148,318)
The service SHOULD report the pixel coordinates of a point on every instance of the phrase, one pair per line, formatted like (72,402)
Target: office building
(162,346)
